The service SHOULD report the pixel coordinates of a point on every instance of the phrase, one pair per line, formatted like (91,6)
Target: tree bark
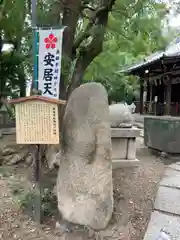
(88,53)
(71,12)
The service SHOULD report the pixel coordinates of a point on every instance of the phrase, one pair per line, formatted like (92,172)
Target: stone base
(122,163)
(124,147)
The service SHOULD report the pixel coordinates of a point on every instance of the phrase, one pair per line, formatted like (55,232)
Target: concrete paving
(160,220)
(166,214)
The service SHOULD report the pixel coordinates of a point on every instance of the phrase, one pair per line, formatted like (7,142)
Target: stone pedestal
(124,147)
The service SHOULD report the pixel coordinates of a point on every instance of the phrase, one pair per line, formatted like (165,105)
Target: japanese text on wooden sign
(49,61)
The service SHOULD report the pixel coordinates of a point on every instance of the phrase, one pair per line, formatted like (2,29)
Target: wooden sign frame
(37,120)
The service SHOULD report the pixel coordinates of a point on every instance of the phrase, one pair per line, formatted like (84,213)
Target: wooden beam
(141,96)
(168,97)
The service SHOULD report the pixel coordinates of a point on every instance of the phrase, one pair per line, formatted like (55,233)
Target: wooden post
(150,99)
(141,96)
(168,97)
(36,133)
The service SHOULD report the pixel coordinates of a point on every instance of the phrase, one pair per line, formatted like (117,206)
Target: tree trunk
(71,47)
(70,19)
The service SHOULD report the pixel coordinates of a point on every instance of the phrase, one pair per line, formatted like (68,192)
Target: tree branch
(85,6)
(82,36)
(86,33)
(88,53)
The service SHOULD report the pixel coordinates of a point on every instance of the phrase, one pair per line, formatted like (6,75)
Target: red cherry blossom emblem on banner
(50,41)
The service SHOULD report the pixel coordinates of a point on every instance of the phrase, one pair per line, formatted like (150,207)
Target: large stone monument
(84,183)
(123,136)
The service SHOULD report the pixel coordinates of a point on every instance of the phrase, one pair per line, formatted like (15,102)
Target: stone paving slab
(173,182)
(170,172)
(160,221)
(175,166)
(167,206)
(168,200)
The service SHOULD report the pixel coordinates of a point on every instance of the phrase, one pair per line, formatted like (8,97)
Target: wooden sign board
(37,121)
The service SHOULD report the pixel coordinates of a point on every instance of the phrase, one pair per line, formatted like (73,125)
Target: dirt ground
(134,192)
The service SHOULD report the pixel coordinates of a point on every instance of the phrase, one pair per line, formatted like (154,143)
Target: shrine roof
(171,52)
(40,98)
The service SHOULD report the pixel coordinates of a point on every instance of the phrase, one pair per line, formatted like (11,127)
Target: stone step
(122,163)
(159,221)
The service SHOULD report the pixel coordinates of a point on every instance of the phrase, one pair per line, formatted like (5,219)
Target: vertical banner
(49,61)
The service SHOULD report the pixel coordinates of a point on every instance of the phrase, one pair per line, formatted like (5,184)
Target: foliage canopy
(101,37)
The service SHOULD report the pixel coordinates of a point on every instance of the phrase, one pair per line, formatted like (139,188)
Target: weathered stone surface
(53,156)
(167,200)
(29,159)
(120,115)
(139,125)
(160,221)
(175,166)
(170,172)
(173,181)
(84,183)
(125,132)
(131,149)
(122,163)
(162,133)
(124,147)
(119,148)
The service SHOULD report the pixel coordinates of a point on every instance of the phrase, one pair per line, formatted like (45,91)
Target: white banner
(49,61)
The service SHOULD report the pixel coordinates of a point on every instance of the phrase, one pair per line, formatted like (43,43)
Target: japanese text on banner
(49,65)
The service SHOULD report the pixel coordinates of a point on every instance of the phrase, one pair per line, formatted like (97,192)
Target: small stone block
(159,221)
(167,200)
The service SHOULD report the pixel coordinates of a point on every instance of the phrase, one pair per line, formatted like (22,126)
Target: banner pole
(37,162)
(34,48)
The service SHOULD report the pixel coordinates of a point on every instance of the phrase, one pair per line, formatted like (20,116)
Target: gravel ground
(134,193)
(137,188)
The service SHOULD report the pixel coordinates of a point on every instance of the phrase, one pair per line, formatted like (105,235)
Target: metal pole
(34,22)
(37,165)
(33,6)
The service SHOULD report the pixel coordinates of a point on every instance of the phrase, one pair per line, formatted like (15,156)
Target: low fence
(158,108)
(5,120)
